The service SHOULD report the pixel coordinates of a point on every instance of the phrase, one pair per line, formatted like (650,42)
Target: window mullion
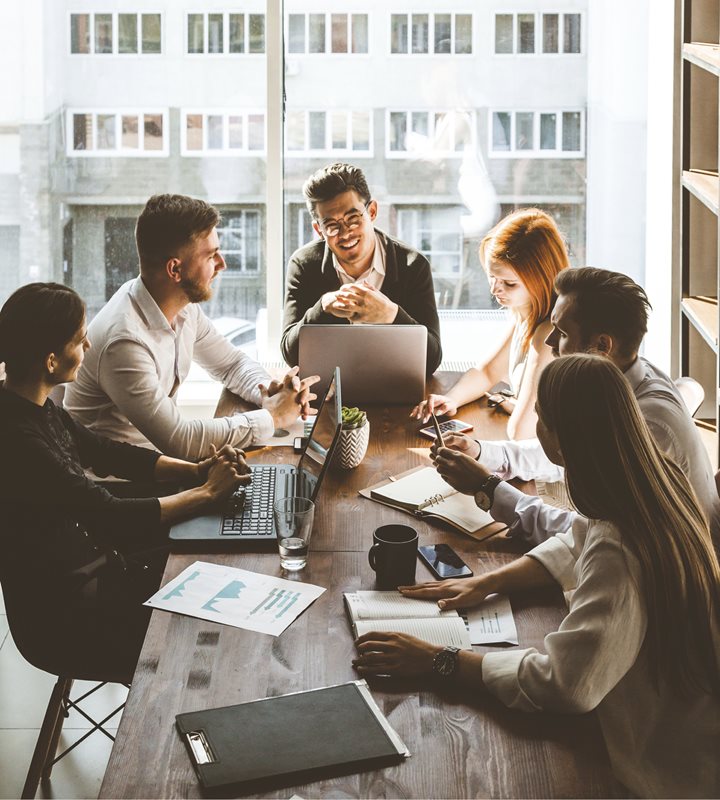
(274,217)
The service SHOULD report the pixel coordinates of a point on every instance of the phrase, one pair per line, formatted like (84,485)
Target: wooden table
(461,746)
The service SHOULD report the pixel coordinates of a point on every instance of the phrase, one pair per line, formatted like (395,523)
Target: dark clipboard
(290,739)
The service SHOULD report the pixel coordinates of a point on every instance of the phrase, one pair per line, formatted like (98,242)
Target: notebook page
(392,605)
(414,489)
(443,632)
(461,509)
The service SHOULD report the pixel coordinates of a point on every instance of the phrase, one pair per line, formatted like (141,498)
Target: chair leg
(53,746)
(49,735)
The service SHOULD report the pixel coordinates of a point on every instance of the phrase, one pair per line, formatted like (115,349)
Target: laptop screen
(320,444)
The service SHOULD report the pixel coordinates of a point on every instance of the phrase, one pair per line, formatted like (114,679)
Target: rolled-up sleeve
(524,459)
(527,517)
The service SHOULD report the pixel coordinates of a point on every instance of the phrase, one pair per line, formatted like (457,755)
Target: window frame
(118,113)
(432,113)
(328,53)
(536,152)
(226,33)
(225,151)
(308,152)
(243,213)
(474,49)
(538,51)
(402,208)
(115,34)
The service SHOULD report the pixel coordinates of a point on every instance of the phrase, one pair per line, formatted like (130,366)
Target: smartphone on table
(443,561)
(448,426)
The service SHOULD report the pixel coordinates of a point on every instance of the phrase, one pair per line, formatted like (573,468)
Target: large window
(543,134)
(225,33)
(438,34)
(117,133)
(240,242)
(333,133)
(455,111)
(418,133)
(538,33)
(217,133)
(326,33)
(108,33)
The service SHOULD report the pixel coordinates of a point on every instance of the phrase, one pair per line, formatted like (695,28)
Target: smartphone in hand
(443,561)
(449,426)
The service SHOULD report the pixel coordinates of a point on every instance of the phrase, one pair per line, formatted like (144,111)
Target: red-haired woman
(521,255)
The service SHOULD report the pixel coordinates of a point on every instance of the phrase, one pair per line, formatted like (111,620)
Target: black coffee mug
(393,556)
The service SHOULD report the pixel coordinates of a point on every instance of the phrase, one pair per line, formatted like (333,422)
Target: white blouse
(660,743)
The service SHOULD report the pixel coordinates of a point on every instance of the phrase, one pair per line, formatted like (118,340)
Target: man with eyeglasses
(355,273)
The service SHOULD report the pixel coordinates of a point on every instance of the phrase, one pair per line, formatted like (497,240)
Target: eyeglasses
(349,221)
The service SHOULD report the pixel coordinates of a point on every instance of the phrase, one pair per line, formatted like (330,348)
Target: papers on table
(492,622)
(236,597)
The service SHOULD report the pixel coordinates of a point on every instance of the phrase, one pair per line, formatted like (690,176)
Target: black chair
(68,669)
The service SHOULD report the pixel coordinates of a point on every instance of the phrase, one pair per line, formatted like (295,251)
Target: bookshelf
(699,208)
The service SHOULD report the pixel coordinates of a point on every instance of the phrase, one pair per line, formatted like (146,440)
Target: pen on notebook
(438,432)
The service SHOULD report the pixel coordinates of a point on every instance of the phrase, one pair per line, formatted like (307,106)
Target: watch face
(444,663)
(483,501)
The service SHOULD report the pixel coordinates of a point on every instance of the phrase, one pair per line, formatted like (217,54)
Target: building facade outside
(457,113)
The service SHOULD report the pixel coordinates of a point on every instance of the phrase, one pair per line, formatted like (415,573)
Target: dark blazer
(408,282)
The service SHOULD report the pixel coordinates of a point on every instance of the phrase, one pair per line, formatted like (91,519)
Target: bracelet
(479,444)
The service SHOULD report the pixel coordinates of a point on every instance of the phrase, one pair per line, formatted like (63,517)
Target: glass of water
(293,526)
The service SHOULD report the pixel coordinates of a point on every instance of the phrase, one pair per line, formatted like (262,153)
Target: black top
(408,282)
(55,520)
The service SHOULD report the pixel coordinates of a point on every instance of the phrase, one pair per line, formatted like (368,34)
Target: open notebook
(390,611)
(424,493)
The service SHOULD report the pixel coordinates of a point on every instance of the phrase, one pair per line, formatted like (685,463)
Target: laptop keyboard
(250,512)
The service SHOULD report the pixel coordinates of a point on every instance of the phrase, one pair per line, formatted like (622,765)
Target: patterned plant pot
(353,445)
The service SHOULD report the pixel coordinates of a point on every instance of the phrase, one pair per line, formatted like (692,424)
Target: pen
(438,433)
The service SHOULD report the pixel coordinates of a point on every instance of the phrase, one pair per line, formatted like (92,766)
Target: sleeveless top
(518,357)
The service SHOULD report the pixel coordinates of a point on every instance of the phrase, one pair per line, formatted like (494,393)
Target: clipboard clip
(200,747)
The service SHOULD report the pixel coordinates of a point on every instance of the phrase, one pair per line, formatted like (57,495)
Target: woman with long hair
(75,561)
(641,641)
(521,256)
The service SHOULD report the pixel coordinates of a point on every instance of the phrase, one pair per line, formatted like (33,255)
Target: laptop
(379,363)
(248,514)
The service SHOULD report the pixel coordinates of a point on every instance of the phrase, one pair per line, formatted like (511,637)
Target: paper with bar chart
(236,597)
(492,622)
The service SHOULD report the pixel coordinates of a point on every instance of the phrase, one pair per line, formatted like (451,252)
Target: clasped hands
(289,398)
(360,302)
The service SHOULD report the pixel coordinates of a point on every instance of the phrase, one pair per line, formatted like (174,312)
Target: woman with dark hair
(72,558)
(522,255)
(641,641)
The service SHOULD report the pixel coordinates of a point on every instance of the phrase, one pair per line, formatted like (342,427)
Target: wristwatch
(486,493)
(445,662)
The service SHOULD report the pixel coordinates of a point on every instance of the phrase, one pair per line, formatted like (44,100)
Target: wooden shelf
(705,187)
(702,312)
(705,56)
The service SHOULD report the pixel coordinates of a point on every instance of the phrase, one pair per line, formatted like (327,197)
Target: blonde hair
(616,472)
(529,242)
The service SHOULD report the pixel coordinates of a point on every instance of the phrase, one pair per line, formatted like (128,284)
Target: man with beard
(145,338)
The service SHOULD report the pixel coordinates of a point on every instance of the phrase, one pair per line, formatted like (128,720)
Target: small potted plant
(354,437)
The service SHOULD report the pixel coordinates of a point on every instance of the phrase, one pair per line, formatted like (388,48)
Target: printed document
(236,597)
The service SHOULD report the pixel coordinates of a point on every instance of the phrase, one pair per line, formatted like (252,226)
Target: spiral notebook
(423,493)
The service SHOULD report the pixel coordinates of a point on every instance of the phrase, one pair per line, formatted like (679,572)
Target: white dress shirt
(669,422)
(660,743)
(374,274)
(126,387)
